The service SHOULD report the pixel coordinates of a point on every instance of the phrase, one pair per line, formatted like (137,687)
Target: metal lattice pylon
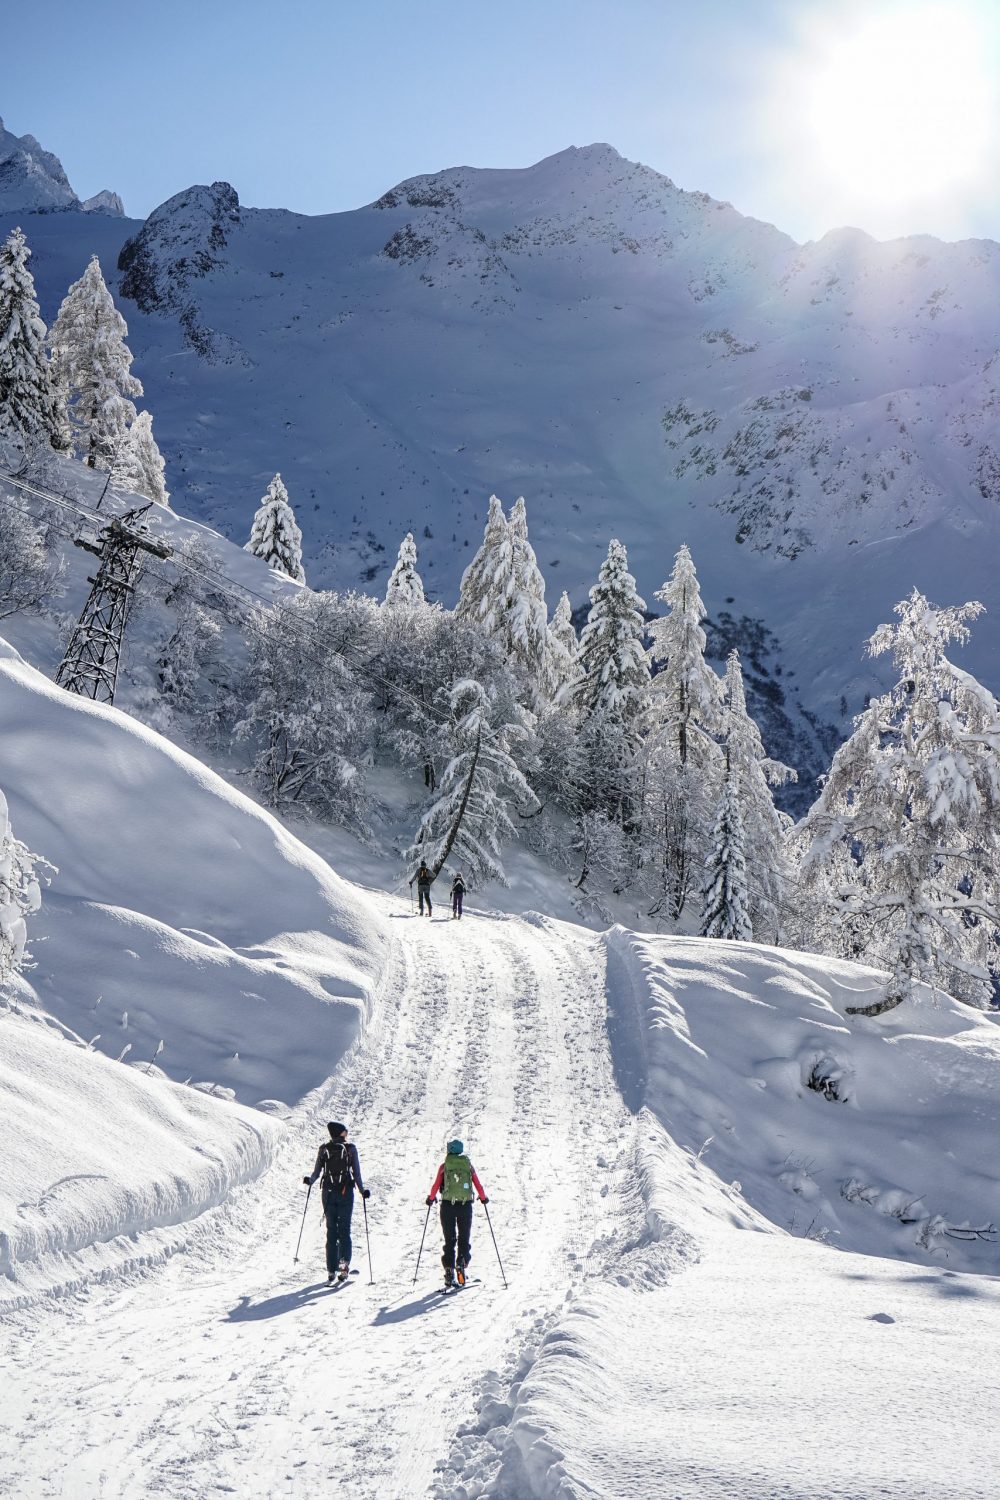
(90,665)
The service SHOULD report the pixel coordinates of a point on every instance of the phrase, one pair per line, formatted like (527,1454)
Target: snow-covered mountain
(32,180)
(815,421)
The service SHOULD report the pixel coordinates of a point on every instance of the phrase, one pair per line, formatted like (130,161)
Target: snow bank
(722,1345)
(874,1135)
(95,1150)
(182,912)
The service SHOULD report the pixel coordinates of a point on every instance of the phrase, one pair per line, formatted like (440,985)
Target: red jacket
(440,1178)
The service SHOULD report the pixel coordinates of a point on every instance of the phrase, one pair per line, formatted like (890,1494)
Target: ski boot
(449,1276)
(344,1271)
(460,1273)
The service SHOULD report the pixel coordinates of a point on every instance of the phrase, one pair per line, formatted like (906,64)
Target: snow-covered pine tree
(139,465)
(526,633)
(684,763)
(275,535)
(563,649)
(470,819)
(188,659)
(31,416)
(92,368)
(20,895)
(405,587)
(753,774)
(487,587)
(903,843)
(725,910)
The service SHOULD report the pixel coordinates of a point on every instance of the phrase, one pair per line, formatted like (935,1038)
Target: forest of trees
(620,755)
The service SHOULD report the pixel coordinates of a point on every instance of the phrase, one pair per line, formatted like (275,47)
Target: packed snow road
(228,1370)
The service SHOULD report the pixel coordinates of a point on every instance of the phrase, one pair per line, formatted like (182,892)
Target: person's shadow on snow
(392,1314)
(247,1311)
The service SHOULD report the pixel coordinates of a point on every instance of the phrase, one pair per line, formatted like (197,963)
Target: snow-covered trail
(228,1370)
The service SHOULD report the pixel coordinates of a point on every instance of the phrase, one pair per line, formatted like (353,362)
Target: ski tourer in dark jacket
(457,895)
(424,880)
(337,1161)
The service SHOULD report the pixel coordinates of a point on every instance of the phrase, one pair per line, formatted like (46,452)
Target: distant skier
(337,1160)
(424,880)
(457,892)
(455,1181)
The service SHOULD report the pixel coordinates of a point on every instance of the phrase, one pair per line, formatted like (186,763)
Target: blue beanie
(455,1148)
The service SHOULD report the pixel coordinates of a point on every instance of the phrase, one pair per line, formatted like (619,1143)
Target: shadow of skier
(247,1311)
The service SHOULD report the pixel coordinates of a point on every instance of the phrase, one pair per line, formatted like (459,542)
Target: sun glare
(891,107)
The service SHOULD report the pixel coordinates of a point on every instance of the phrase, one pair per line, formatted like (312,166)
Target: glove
(307,1181)
(366,1192)
(429,1201)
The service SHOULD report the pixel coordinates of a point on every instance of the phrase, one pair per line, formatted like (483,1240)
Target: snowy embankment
(184,924)
(731,1350)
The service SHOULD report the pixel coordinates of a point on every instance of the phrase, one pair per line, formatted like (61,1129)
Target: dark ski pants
(338,1208)
(456,1223)
(424,896)
(456,904)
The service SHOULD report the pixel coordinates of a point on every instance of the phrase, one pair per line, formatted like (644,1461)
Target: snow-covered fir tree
(611,693)
(20,895)
(903,843)
(92,368)
(31,418)
(487,587)
(275,535)
(471,817)
(684,762)
(725,909)
(563,658)
(614,672)
(405,587)
(751,775)
(139,466)
(526,629)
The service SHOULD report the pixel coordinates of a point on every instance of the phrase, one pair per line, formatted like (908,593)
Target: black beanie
(335,1128)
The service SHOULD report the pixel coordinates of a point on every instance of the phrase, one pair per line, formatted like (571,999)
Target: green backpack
(457,1185)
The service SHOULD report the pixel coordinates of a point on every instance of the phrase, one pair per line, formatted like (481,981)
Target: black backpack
(337,1174)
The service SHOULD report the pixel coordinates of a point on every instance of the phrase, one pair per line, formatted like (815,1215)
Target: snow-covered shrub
(308,710)
(20,895)
(29,574)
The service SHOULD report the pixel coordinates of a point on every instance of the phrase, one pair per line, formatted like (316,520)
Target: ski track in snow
(228,1370)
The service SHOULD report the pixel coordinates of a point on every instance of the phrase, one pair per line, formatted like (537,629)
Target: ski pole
(371,1274)
(302,1225)
(422,1238)
(494,1238)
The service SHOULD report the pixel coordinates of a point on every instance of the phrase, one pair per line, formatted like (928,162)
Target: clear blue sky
(321,106)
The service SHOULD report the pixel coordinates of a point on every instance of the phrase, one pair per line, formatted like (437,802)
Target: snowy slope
(186,938)
(815,421)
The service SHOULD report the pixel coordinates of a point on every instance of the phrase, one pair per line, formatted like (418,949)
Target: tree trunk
(456,825)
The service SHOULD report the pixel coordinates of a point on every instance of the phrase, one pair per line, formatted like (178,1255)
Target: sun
(890,105)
